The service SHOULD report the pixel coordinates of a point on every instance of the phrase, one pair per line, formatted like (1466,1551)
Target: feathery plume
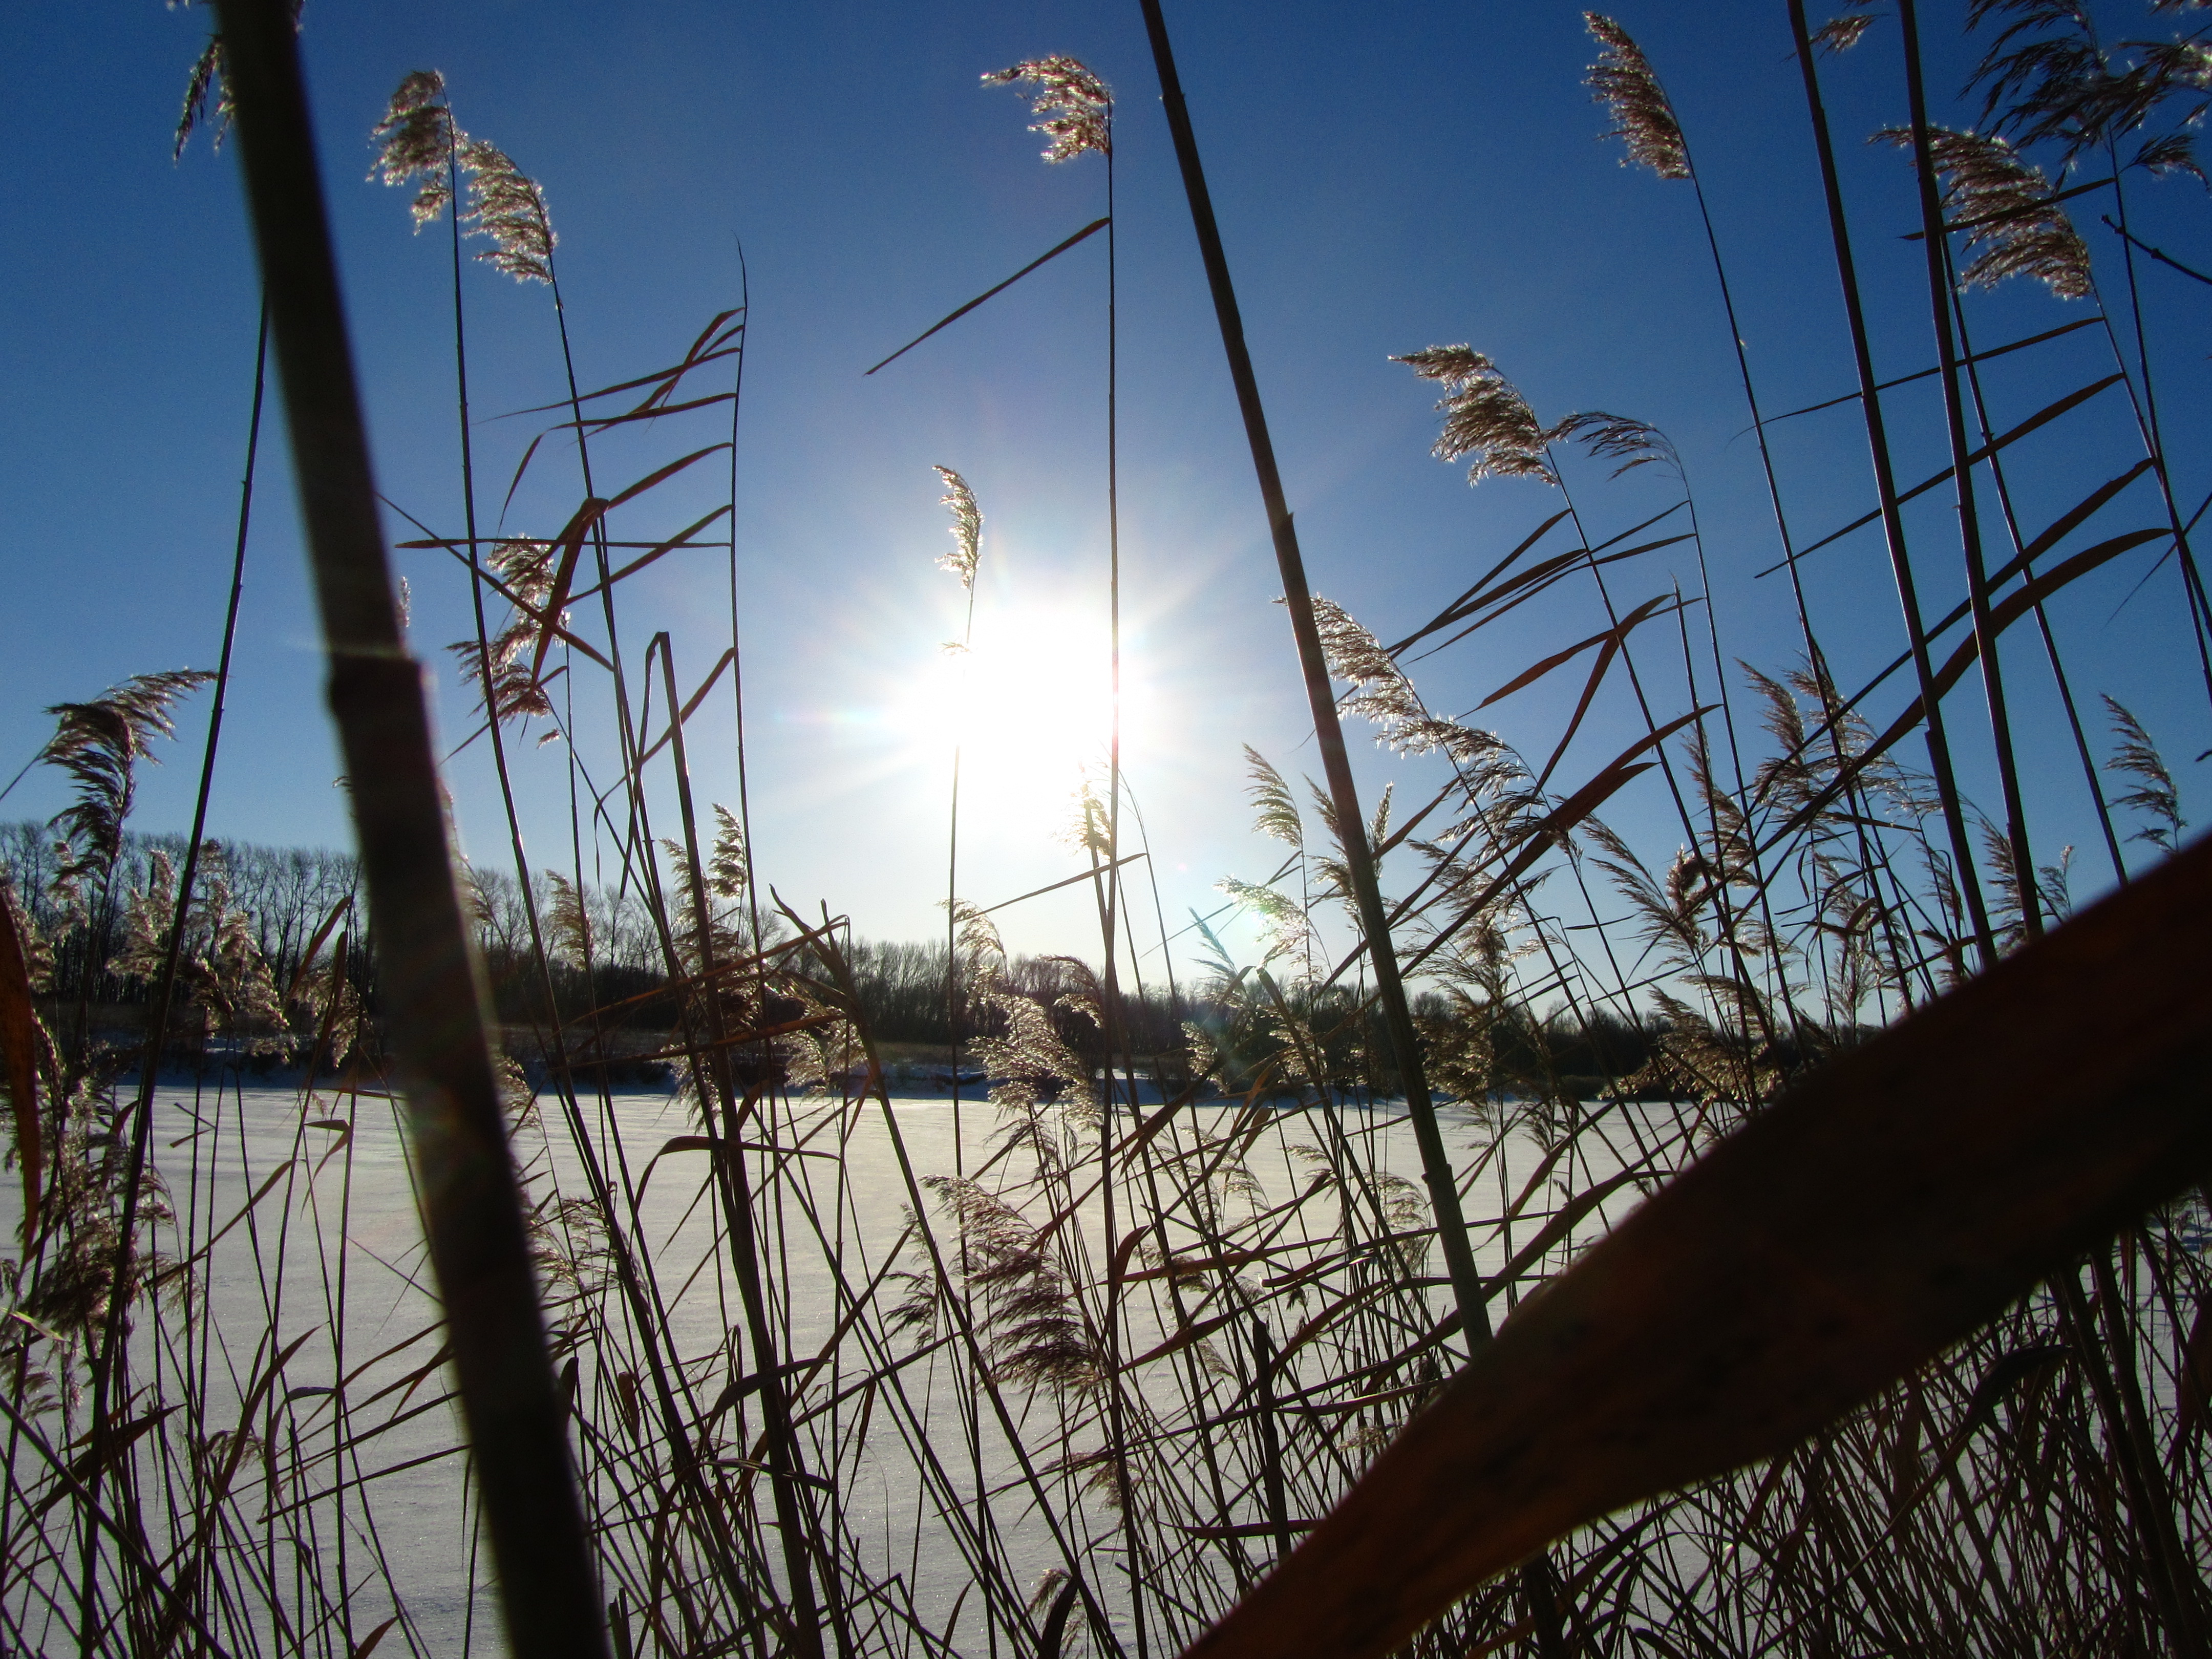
(422,145)
(507,207)
(207,90)
(967,527)
(1276,809)
(526,569)
(417,140)
(727,876)
(99,744)
(1077,107)
(1485,415)
(2003,203)
(1631,443)
(1841,33)
(2156,796)
(1622,80)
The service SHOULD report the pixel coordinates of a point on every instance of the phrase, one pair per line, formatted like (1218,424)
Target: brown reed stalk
(1935,242)
(1939,748)
(1321,697)
(430,975)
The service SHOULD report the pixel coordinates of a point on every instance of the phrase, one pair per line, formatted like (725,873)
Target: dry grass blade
(1884,1210)
(1622,80)
(1045,258)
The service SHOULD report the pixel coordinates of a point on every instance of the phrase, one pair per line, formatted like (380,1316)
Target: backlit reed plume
(1642,119)
(1621,438)
(1077,106)
(2048,75)
(507,207)
(2003,203)
(420,145)
(1275,811)
(2155,794)
(1841,33)
(98,744)
(967,527)
(223,981)
(416,140)
(1382,695)
(207,90)
(1486,416)
(525,568)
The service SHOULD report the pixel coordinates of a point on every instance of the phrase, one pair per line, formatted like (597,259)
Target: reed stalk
(435,985)
(1939,748)
(1321,697)
(1936,243)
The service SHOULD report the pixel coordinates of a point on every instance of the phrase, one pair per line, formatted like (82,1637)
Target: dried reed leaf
(1904,1194)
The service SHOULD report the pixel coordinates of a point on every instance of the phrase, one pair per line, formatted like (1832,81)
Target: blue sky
(1388,177)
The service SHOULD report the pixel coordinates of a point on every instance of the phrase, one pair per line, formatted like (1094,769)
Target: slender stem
(1893,522)
(114,1354)
(1935,242)
(432,981)
(1328,733)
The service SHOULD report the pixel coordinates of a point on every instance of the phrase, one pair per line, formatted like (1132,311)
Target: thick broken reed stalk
(1901,1197)
(434,986)
(1329,732)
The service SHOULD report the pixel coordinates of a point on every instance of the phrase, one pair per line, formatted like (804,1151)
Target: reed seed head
(509,208)
(1485,415)
(2002,201)
(1622,80)
(1077,107)
(967,527)
(416,139)
(1841,33)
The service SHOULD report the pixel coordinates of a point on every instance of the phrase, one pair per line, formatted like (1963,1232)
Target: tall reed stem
(1935,242)
(114,1356)
(1329,732)
(431,980)
(1893,522)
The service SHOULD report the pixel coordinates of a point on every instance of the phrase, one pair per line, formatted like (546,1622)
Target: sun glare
(1029,704)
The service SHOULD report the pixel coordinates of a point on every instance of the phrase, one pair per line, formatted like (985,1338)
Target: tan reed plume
(1622,80)
(1841,33)
(1485,415)
(2002,201)
(508,207)
(1077,107)
(417,138)
(967,527)
(420,145)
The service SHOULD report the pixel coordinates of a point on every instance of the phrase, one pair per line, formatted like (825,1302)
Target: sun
(1028,705)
